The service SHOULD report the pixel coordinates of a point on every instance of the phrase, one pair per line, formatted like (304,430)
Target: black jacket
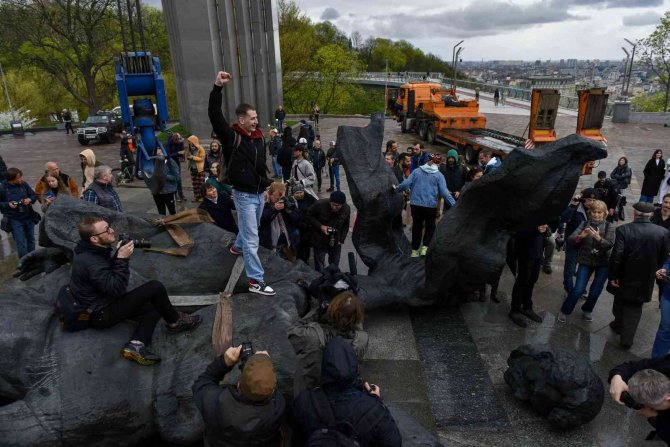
(291,217)
(608,192)
(455,176)
(247,170)
(657,218)
(349,402)
(125,153)
(653,176)
(232,420)
(662,365)
(221,211)
(622,175)
(97,278)
(320,214)
(640,248)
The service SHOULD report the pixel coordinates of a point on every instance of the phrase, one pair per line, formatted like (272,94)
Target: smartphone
(594,226)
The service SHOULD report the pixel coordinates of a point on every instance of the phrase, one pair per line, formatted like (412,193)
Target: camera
(139,243)
(14,203)
(246,352)
(332,236)
(630,402)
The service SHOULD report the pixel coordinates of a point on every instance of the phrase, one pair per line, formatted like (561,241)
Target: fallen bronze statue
(60,388)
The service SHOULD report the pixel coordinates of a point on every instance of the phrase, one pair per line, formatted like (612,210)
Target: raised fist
(223,78)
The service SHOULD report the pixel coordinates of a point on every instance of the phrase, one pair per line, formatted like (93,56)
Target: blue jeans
(23,232)
(662,341)
(335,177)
(276,167)
(584,272)
(249,208)
(569,267)
(648,199)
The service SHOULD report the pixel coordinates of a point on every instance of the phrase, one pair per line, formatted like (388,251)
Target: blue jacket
(425,183)
(16,193)
(494,164)
(418,161)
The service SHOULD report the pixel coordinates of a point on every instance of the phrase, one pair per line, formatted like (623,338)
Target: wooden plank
(193,300)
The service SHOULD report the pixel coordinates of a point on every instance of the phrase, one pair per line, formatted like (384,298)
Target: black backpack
(332,433)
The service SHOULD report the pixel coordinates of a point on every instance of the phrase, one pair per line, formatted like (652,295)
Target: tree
(71,41)
(656,53)
(356,39)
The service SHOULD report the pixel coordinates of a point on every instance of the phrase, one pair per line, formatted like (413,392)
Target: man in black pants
(99,281)
(528,249)
(329,222)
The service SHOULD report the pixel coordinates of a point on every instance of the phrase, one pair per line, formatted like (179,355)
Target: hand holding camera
(13,204)
(125,249)
(576,199)
(662,275)
(373,389)
(280,204)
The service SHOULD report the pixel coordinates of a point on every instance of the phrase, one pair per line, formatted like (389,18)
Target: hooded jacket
(349,402)
(455,175)
(243,153)
(230,419)
(41,187)
(302,171)
(88,168)
(198,157)
(426,183)
(96,277)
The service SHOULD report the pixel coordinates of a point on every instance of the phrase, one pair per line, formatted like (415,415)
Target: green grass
(177,128)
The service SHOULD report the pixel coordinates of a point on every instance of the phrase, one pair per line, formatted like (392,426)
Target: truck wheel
(83,142)
(471,155)
(422,130)
(430,133)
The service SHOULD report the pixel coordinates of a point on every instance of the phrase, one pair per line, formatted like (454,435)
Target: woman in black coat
(654,172)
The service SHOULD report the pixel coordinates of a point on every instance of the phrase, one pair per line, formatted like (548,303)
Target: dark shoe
(233,249)
(495,299)
(517,318)
(330,189)
(625,345)
(615,328)
(532,315)
(185,322)
(260,287)
(547,269)
(140,354)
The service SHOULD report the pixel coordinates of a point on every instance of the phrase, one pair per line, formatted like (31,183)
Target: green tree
(71,41)
(656,53)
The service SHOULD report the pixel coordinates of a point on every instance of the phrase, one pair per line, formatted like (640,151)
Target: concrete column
(621,112)
(237,36)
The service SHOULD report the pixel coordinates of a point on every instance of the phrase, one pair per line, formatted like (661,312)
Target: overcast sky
(499,29)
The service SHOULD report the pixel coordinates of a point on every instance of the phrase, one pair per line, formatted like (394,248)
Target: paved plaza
(445,366)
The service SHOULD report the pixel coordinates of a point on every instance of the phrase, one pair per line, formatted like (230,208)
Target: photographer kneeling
(644,386)
(249,413)
(99,281)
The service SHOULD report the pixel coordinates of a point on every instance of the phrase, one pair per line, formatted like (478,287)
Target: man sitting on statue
(99,281)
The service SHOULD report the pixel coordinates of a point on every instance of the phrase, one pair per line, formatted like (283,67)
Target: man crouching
(99,281)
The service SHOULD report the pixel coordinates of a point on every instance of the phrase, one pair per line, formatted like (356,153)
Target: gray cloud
(610,3)
(645,18)
(479,18)
(330,14)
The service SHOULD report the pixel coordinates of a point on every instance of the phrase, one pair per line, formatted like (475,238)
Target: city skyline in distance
(525,30)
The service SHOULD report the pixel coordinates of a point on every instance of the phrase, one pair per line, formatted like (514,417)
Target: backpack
(224,169)
(73,315)
(332,433)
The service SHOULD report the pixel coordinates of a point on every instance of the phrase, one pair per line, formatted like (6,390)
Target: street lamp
(453,64)
(625,70)
(630,66)
(16,126)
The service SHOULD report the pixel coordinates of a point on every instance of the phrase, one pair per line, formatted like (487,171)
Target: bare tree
(656,53)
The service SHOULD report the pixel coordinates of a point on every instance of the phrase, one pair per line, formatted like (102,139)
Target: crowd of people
(282,212)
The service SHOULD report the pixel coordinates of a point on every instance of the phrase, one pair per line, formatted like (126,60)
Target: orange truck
(438,116)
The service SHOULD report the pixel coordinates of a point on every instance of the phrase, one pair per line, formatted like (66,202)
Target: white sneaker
(587,316)
(260,287)
(562,318)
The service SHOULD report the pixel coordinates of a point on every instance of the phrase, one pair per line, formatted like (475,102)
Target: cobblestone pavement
(480,331)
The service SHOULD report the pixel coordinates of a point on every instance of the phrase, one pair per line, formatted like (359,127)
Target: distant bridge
(396,79)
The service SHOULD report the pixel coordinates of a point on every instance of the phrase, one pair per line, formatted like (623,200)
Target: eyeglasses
(106,230)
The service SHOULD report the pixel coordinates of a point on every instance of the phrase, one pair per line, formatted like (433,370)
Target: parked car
(103,127)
